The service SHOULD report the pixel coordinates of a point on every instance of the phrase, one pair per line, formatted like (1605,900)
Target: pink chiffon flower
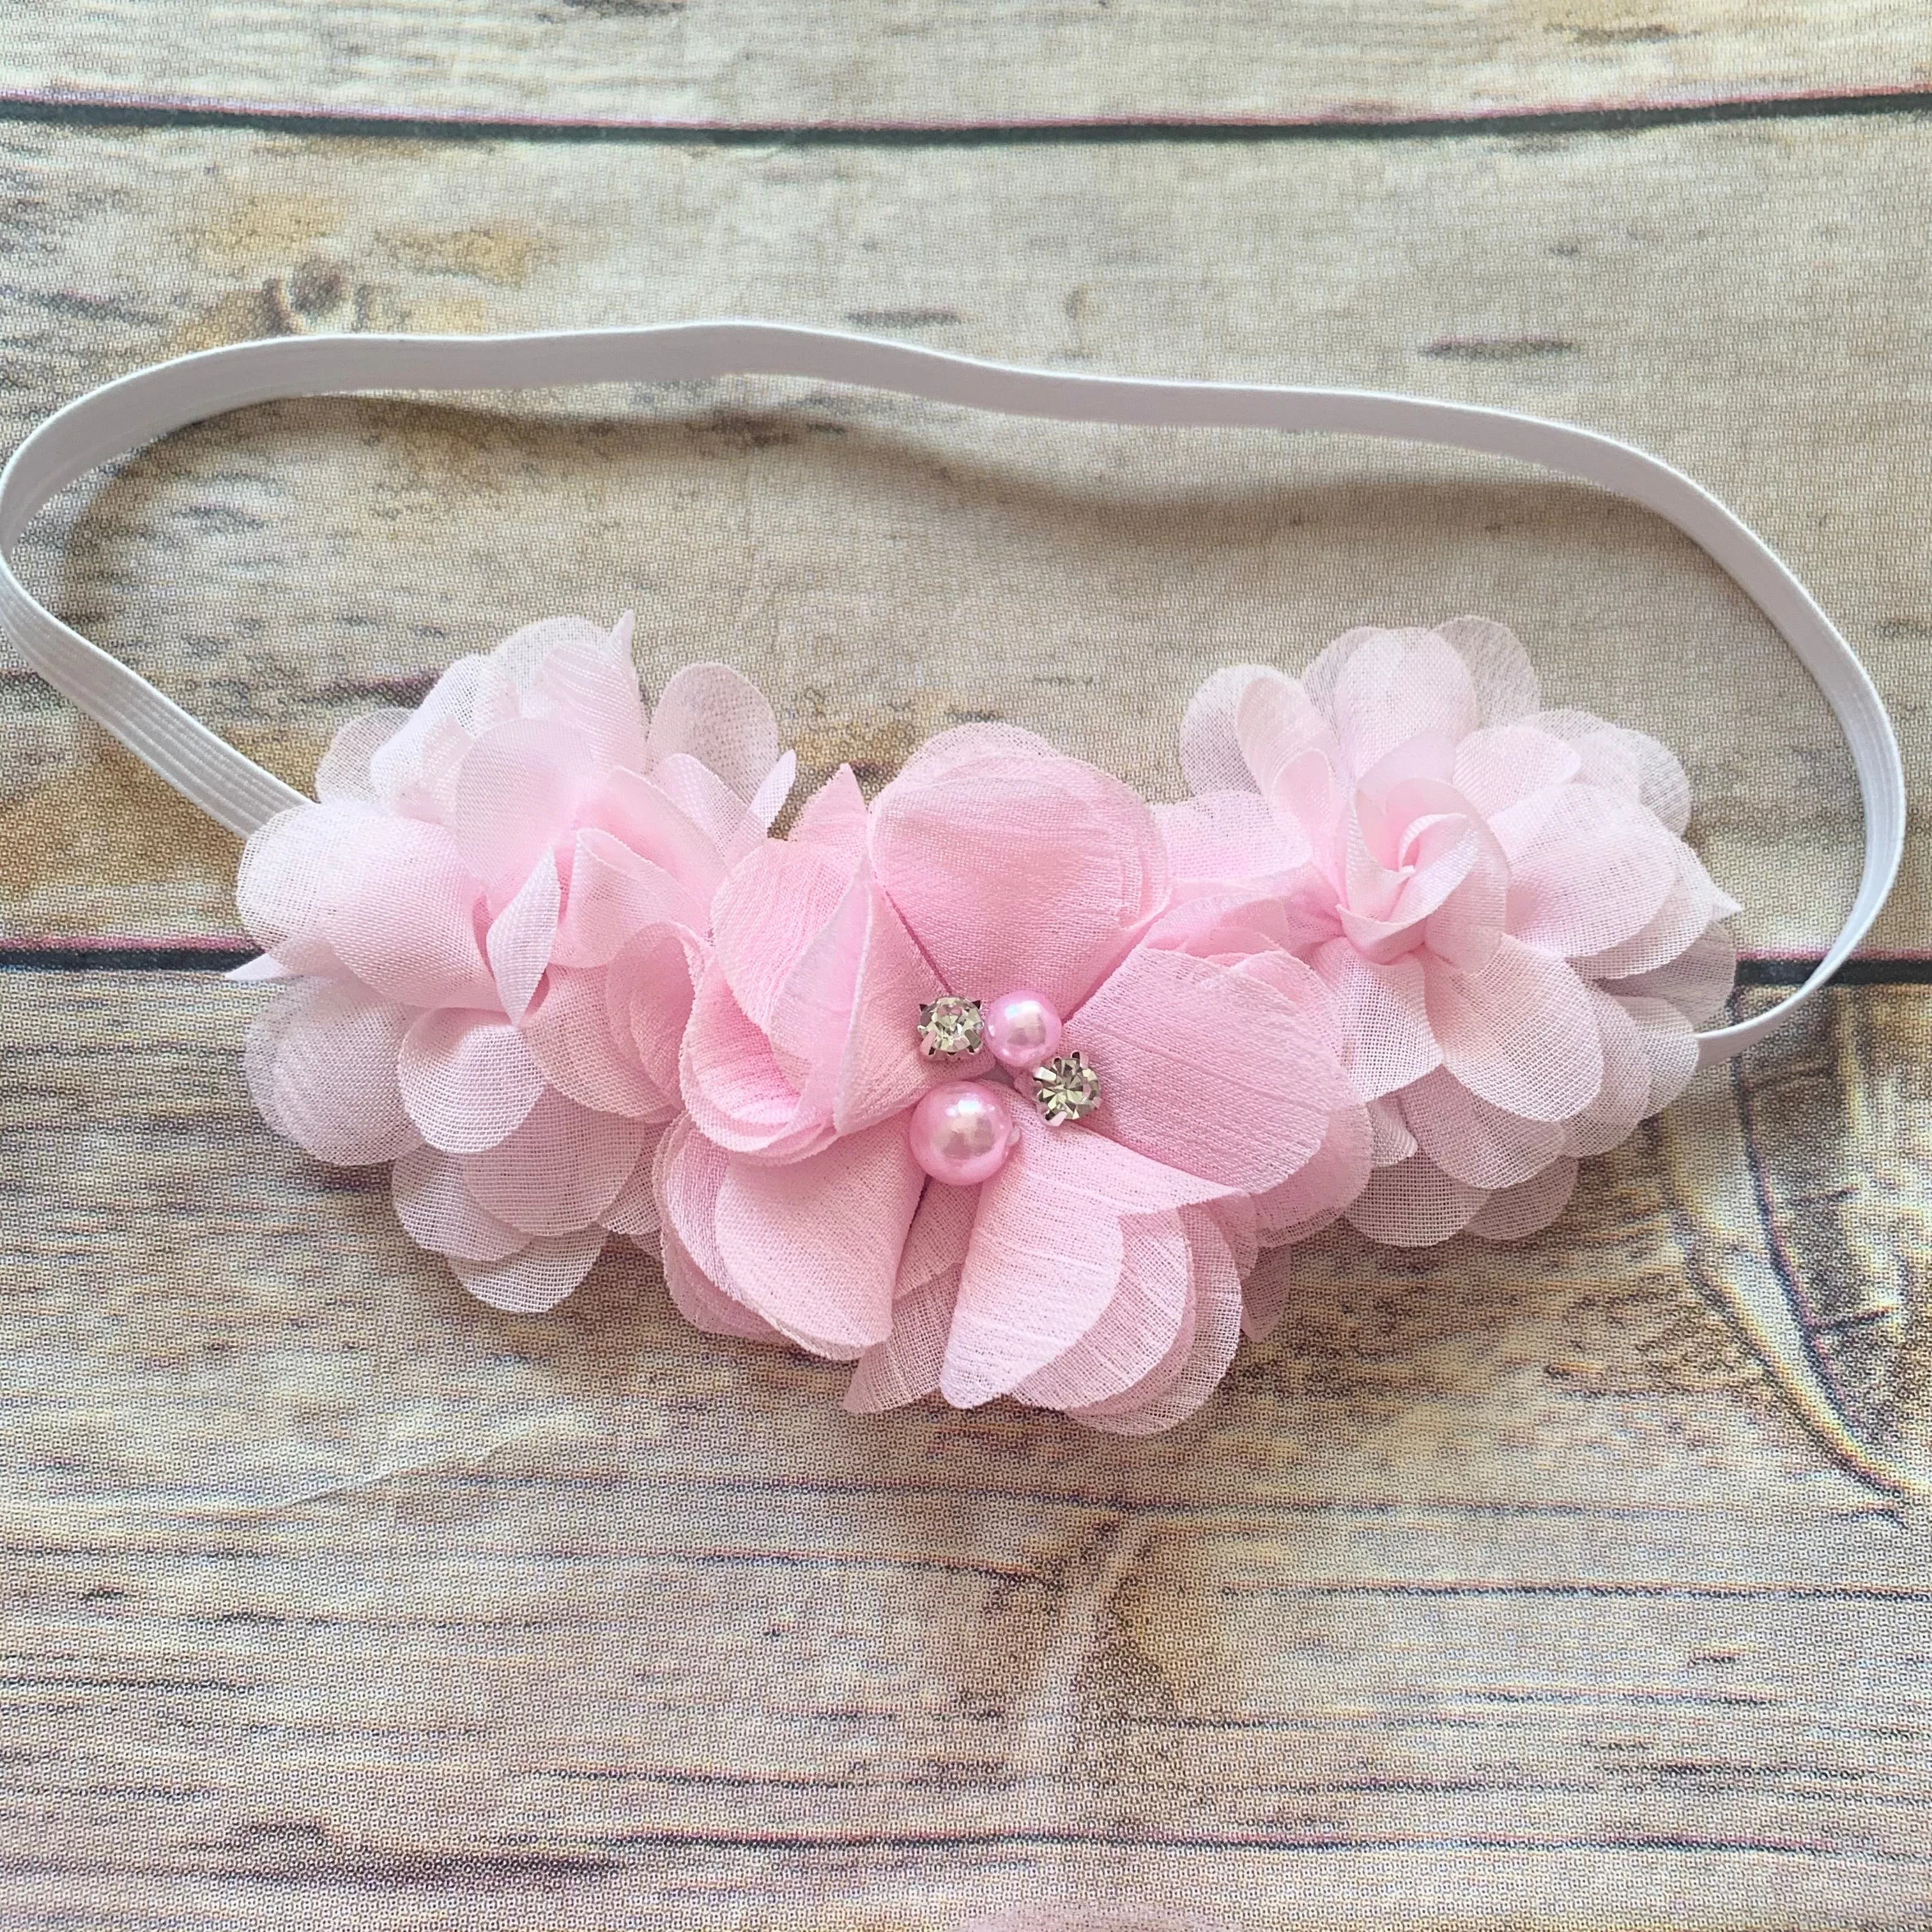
(1499,898)
(1099,1270)
(495,917)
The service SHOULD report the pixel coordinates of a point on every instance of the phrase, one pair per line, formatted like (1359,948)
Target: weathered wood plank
(883,568)
(900,62)
(1497,1589)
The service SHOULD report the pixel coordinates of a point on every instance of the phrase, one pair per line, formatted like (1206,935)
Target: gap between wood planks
(1781,969)
(109,110)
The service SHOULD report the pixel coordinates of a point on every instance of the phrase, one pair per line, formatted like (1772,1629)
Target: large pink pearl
(1022,1029)
(960,1132)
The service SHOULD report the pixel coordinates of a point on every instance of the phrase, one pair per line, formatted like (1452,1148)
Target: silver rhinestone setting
(1065,1088)
(950,1028)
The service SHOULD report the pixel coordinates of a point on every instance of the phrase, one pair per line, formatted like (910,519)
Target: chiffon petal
(813,1247)
(522,935)
(1210,750)
(1527,1209)
(438,1213)
(1521,1034)
(322,1068)
(1413,1204)
(1047,1252)
(559,1171)
(469,1080)
(1015,868)
(710,713)
(537,1279)
(1210,1071)
(1384,1014)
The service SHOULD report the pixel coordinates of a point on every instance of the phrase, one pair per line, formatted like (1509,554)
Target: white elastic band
(121,416)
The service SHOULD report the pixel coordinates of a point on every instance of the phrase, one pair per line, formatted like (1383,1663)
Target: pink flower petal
(641,815)
(438,1213)
(1625,1098)
(1047,1252)
(648,993)
(322,1066)
(1499,668)
(687,1176)
(1528,1209)
(1014,867)
(733,1086)
(834,819)
(1521,1034)
(614,895)
(516,663)
(1140,1327)
(538,1277)
(1224,838)
(1597,872)
(342,776)
(881,1071)
(282,884)
(702,797)
(711,713)
(1390,1139)
(520,787)
(413,772)
(560,1170)
(1276,725)
(1396,686)
(521,936)
(814,1247)
(572,1040)
(1686,912)
(1415,1205)
(1210,750)
(401,913)
(905,1367)
(1670,1048)
(1500,767)
(1208,1070)
(1179,1387)
(1615,756)
(468,1081)
(1471,1141)
(941,1233)
(1383,1012)
(1266,1294)
(592,691)
(1320,1193)
(1697,983)
(634,1214)
(768,912)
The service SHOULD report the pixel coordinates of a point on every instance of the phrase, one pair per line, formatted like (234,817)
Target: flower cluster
(1000,1084)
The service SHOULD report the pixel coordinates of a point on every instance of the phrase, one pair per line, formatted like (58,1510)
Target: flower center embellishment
(1066,1089)
(951,1028)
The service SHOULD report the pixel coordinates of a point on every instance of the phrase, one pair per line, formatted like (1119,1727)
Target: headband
(1372,852)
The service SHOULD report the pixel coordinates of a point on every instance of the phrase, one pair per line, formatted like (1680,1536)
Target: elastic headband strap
(121,416)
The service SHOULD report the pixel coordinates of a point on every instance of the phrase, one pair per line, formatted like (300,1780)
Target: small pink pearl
(1023,1030)
(960,1132)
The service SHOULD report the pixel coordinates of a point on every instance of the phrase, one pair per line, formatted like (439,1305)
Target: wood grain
(908,62)
(883,568)
(1497,1589)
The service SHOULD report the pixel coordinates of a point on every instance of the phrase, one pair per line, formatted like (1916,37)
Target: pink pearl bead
(960,1132)
(1023,1030)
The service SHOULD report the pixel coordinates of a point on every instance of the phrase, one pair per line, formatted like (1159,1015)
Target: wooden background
(1501,1589)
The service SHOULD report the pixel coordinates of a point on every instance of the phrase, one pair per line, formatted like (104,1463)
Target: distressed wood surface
(900,62)
(1713,293)
(1497,1589)
(1500,1590)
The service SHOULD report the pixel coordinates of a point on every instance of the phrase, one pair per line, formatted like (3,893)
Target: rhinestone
(1066,1089)
(949,1028)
